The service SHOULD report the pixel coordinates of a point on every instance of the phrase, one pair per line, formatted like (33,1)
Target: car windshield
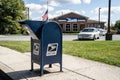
(87,30)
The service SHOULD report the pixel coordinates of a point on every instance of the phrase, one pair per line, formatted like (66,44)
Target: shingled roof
(71,15)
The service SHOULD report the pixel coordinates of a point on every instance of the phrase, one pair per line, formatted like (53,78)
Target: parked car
(118,31)
(89,33)
(102,31)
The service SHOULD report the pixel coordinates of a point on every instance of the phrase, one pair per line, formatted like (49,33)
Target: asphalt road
(15,37)
(65,37)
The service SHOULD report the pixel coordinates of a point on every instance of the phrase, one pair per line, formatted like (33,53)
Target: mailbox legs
(41,69)
(61,67)
(31,56)
(50,65)
(31,66)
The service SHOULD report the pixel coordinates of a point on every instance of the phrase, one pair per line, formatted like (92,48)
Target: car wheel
(98,37)
(79,39)
(94,37)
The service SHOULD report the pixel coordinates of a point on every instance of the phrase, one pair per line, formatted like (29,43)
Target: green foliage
(11,11)
(117,24)
(113,27)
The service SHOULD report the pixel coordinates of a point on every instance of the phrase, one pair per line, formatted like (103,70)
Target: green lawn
(102,51)
(21,46)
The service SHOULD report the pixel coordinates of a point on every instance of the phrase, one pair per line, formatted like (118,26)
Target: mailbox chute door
(33,27)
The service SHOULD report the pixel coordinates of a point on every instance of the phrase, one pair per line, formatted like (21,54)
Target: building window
(75,27)
(97,25)
(88,25)
(67,27)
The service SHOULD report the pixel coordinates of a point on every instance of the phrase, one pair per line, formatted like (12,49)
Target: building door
(82,26)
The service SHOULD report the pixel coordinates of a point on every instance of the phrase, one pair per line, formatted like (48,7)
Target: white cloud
(87,1)
(36,8)
(66,1)
(83,12)
(103,14)
(115,11)
(50,8)
(72,1)
(104,11)
(62,12)
(53,3)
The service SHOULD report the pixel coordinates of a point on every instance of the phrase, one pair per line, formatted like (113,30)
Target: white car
(102,31)
(89,33)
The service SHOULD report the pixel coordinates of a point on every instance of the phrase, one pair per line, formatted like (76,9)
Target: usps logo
(52,49)
(36,48)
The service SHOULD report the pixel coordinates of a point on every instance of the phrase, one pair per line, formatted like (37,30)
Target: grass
(21,46)
(72,33)
(102,51)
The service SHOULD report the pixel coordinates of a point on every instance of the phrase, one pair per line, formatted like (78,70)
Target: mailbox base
(108,36)
(50,65)
(37,56)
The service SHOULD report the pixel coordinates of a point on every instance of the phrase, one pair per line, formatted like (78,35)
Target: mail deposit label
(52,49)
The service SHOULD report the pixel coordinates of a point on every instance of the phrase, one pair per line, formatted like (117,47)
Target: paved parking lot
(15,37)
(65,37)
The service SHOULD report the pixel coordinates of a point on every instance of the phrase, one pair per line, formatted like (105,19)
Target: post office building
(73,22)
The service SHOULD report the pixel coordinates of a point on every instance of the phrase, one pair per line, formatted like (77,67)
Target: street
(65,37)
(74,37)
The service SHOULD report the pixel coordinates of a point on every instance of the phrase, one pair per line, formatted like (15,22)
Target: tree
(11,11)
(117,24)
(112,27)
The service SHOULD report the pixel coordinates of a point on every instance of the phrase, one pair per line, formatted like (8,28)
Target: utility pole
(109,35)
(99,17)
(28,12)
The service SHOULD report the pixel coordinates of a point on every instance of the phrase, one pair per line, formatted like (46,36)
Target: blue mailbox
(46,43)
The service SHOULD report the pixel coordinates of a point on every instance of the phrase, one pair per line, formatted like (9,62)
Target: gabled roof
(71,15)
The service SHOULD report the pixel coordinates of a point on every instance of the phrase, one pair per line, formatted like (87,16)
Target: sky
(88,8)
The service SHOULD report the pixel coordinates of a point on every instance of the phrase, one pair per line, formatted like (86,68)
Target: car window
(87,30)
(96,30)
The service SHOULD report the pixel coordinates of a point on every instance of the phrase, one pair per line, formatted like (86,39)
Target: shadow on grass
(83,40)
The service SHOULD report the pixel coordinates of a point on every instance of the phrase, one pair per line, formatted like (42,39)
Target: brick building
(73,22)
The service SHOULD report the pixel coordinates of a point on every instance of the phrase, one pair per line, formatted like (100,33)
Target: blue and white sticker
(36,48)
(52,49)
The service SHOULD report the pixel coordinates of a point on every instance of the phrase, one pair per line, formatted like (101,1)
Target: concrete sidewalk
(17,66)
